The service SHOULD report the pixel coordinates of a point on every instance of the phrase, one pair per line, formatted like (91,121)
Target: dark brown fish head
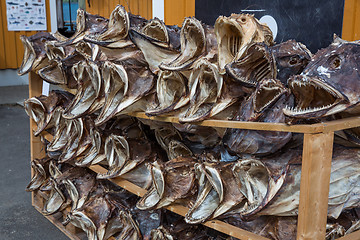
(172,92)
(267,93)
(193,42)
(86,24)
(116,30)
(256,64)
(329,84)
(34,52)
(205,86)
(291,58)
(235,33)
(264,105)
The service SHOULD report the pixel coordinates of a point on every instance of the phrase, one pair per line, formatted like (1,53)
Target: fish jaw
(267,93)
(235,33)
(193,42)
(332,79)
(156,29)
(257,64)
(315,98)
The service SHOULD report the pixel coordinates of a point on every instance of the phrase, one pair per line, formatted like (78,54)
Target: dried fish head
(235,33)
(328,84)
(291,58)
(256,64)
(117,28)
(172,93)
(264,105)
(35,56)
(193,42)
(205,84)
(154,53)
(210,193)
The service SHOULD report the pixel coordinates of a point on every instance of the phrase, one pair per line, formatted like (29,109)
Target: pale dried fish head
(172,93)
(235,33)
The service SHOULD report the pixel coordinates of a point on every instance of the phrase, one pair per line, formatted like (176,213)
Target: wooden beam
(314,186)
(36,146)
(351,236)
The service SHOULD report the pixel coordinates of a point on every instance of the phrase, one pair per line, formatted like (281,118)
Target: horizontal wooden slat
(181,210)
(351,236)
(282,127)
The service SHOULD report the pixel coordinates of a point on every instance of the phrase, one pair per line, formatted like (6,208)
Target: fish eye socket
(294,60)
(335,62)
(243,19)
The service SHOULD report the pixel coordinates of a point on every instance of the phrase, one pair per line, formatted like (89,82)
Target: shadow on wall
(9,77)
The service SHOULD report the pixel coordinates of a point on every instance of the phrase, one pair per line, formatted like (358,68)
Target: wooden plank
(314,186)
(348,20)
(181,210)
(351,236)
(36,147)
(238,124)
(9,40)
(2,41)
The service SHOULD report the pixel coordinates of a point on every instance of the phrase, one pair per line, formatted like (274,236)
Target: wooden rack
(315,174)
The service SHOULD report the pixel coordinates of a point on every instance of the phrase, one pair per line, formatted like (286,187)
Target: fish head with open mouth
(256,64)
(291,58)
(193,42)
(35,56)
(86,24)
(329,84)
(172,92)
(235,33)
(205,86)
(264,105)
(116,29)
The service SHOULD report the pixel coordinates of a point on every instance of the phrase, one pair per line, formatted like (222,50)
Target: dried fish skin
(328,84)
(264,105)
(172,93)
(234,35)
(257,63)
(35,56)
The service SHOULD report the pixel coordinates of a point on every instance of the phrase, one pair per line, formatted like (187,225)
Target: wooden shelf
(315,177)
(266,126)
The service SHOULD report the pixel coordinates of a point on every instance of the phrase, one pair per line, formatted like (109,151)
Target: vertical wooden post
(36,147)
(314,186)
